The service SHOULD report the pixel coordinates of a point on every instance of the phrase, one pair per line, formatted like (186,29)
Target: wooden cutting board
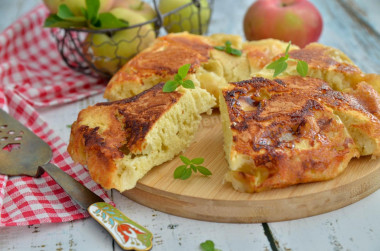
(207,198)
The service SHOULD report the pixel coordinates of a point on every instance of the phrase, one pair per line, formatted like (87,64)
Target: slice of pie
(210,69)
(292,130)
(121,141)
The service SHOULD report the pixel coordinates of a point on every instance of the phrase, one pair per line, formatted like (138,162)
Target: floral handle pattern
(127,233)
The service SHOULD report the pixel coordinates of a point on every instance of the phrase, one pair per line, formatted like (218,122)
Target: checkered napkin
(32,74)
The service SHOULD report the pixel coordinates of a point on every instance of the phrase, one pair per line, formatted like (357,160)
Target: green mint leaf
(228,49)
(179,171)
(302,68)
(93,7)
(108,20)
(197,161)
(64,12)
(186,174)
(235,52)
(275,64)
(185,160)
(203,170)
(177,78)
(183,70)
(170,86)
(287,48)
(208,246)
(281,67)
(68,126)
(193,168)
(188,84)
(220,48)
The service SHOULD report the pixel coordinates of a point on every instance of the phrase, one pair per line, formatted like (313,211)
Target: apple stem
(287,3)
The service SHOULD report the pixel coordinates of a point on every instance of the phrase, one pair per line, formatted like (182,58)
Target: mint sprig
(208,246)
(228,48)
(184,172)
(280,65)
(171,85)
(90,18)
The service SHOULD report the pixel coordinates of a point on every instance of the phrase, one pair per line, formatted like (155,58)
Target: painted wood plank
(176,233)
(355,227)
(12,10)
(340,230)
(78,235)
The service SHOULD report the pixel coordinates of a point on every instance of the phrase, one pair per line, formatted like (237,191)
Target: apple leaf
(64,12)
(93,7)
(84,12)
(170,86)
(302,68)
(108,20)
(54,21)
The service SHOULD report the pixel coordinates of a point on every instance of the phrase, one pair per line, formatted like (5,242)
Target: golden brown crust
(120,129)
(320,57)
(261,52)
(160,62)
(287,126)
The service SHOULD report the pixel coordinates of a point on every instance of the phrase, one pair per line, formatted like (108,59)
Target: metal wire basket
(100,53)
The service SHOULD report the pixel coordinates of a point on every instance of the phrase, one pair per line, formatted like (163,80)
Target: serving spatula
(24,153)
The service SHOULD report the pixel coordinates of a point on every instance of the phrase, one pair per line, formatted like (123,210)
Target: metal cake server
(24,153)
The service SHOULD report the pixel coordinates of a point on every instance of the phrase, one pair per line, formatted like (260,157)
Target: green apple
(75,5)
(110,52)
(187,18)
(138,6)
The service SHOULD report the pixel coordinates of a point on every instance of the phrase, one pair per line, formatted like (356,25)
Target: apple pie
(292,130)
(121,141)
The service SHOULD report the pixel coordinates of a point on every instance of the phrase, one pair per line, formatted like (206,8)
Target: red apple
(288,20)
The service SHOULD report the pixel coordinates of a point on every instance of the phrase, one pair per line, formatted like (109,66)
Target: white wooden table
(350,25)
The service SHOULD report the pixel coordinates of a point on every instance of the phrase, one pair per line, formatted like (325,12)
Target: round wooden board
(207,198)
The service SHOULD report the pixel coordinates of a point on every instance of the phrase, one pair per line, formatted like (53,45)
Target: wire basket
(100,53)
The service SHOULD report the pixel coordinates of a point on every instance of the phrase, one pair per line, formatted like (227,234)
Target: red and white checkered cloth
(32,73)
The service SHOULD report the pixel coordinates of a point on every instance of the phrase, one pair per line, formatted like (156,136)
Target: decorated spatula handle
(127,233)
